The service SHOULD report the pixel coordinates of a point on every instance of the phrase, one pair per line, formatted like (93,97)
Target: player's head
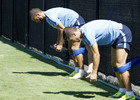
(71,34)
(37,15)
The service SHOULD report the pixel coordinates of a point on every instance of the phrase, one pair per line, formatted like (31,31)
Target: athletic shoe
(76,76)
(117,95)
(127,97)
(72,74)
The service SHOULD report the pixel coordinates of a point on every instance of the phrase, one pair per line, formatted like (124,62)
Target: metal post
(26,24)
(13,21)
(1,18)
(43,30)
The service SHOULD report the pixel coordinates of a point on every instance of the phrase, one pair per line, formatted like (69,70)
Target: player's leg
(76,69)
(120,50)
(71,48)
(78,59)
(116,62)
(120,56)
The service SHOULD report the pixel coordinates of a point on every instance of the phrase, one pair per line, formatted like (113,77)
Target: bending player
(104,32)
(60,18)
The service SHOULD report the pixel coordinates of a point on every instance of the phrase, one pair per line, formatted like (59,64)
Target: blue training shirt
(103,32)
(66,16)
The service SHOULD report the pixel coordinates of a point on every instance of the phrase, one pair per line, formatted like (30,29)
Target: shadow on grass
(44,73)
(80,94)
(85,94)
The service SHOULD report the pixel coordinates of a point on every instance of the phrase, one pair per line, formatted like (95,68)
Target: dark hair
(67,32)
(34,11)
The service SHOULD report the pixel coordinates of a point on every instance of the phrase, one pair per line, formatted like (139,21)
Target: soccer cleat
(72,74)
(76,76)
(117,95)
(127,97)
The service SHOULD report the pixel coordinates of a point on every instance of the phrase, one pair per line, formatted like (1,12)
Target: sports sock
(130,93)
(76,69)
(90,68)
(122,90)
(82,72)
(89,71)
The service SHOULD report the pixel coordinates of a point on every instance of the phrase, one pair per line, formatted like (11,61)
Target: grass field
(25,75)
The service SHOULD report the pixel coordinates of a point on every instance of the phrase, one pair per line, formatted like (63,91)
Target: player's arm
(90,60)
(96,59)
(60,28)
(56,23)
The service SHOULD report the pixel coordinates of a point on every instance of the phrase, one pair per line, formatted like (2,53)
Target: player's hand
(92,76)
(59,48)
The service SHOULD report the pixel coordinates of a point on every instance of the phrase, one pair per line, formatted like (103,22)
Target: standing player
(104,32)
(60,18)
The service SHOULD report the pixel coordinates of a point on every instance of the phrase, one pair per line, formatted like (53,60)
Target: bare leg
(126,79)
(118,58)
(78,59)
(75,61)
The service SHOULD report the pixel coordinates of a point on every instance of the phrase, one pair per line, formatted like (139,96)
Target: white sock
(90,68)
(89,71)
(130,93)
(76,69)
(122,90)
(82,72)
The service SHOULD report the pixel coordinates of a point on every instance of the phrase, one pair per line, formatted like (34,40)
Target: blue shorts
(124,40)
(79,22)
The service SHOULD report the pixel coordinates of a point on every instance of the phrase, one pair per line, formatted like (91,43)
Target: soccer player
(104,32)
(60,18)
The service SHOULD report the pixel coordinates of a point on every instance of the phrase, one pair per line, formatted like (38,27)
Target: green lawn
(25,75)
